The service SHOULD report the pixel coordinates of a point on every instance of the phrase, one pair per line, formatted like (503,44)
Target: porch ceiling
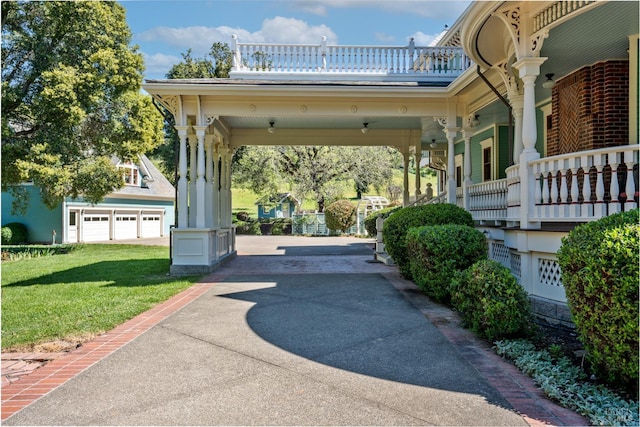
(320,114)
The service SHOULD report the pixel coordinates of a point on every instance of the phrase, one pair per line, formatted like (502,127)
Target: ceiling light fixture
(433,144)
(271,129)
(549,83)
(476,121)
(365,127)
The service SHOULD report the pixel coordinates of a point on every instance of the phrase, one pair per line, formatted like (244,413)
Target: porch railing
(488,200)
(586,185)
(575,187)
(411,62)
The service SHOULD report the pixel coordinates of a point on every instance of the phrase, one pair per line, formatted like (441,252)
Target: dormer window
(130,174)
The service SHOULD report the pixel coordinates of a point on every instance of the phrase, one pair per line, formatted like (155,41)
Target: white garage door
(151,226)
(126,226)
(95,228)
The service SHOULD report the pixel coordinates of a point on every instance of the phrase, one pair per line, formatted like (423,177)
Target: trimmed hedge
(14,233)
(491,301)
(370,220)
(599,262)
(397,225)
(340,215)
(438,252)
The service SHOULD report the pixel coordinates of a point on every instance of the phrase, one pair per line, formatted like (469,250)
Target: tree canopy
(71,98)
(321,173)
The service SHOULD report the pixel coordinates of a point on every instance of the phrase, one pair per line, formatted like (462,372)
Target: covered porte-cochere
(216,116)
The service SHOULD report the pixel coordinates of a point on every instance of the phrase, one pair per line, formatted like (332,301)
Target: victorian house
(528,110)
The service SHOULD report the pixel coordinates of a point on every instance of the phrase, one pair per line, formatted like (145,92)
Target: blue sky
(166,28)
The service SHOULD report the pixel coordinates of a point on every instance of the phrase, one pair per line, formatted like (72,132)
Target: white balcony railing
(323,61)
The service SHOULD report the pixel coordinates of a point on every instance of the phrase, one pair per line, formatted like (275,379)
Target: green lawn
(85,292)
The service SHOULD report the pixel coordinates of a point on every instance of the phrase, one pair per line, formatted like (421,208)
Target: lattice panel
(500,253)
(570,123)
(515,265)
(549,272)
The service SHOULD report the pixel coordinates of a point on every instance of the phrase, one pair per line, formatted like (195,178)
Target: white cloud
(159,64)
(274,30)
(422,39)
(291,30)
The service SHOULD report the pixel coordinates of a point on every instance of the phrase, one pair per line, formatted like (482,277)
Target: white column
(225,188)
(517,103)
(193,169)
(467,133)
(216,184)
(183,208)
(228,212)
(208,190)
(200,182)
(529,69)
(418,158)
(405,189)
(451,166)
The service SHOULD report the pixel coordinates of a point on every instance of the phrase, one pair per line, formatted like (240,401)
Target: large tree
(215,64)
(71,98)
(321,173)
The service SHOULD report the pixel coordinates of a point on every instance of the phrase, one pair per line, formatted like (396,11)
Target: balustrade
(488,200)
(586,185)
(408,61)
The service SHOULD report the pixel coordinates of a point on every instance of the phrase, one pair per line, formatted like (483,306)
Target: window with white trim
(130,173)
(486,148)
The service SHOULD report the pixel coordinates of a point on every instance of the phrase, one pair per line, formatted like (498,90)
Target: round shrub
(397,225)
(242,216)
(491,302)
(340,215)
(17,234)
(599,262)
(437,252)
(370,220)
(5,234)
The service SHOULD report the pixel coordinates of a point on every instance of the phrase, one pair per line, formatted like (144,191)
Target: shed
(280,205)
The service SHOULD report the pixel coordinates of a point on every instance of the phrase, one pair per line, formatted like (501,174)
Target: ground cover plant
(72,297)
(567,384)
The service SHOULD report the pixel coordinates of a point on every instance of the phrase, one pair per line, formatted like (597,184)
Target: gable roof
(154,184)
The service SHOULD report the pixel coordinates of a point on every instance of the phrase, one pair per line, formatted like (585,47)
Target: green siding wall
(503,150)
(39,220)
(476,153)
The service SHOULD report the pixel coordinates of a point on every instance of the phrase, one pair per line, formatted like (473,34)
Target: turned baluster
(599,209)
(629,188)
(574,210)
(614,188)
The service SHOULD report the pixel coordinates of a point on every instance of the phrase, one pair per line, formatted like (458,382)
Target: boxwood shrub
(397,225)
(14,233)
(437,252)
(599,263)
(340,215)
(491,302)
(370,220)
